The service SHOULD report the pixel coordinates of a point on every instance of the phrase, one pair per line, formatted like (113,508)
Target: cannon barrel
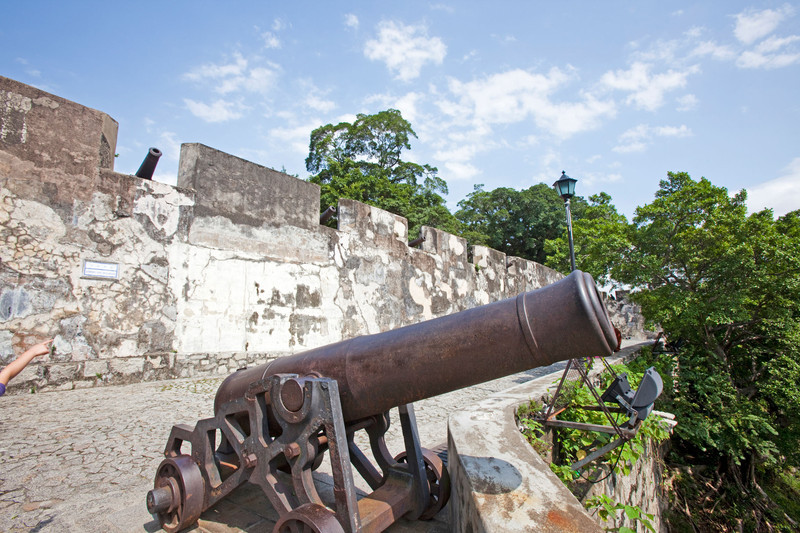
(313,403)
(375,373)
(148,166)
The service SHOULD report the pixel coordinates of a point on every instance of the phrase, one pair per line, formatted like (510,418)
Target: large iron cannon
(274,423)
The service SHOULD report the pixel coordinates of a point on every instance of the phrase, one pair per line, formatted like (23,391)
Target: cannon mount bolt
(291,450)
(250,460)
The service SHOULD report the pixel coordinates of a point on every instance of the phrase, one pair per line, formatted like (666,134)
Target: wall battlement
(228,269)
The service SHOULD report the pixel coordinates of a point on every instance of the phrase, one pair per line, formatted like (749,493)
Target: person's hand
(41,348)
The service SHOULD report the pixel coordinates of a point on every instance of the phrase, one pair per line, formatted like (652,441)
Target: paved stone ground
(83,460)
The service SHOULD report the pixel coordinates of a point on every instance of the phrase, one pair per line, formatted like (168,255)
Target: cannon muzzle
(148,166)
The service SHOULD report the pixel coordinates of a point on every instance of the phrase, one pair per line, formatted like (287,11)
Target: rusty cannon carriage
(274,423)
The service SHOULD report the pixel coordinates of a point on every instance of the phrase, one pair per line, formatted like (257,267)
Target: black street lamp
(565,187)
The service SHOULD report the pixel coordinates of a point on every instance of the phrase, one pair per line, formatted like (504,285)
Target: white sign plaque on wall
(100,270)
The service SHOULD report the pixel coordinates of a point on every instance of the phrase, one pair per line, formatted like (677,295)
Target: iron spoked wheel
(438,482)
(309,518)
(177,496)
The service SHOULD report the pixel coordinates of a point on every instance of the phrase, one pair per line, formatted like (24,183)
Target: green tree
(727,285)
(515,222)
(362,161)
(600,234)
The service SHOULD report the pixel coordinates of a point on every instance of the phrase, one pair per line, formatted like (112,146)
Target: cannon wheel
(309,518)
(438,482)
(182,477)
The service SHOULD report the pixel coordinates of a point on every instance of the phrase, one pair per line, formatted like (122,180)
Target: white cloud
(638,138)
(713,50)
(457,145)
(351,21)
(470,113)
(30,71)
(647,90)
(593,179)
(270,40)
(753,25)
(459,170)
(405,49)
(781,194)
(407,104)
(219,111)
(672,131)
(516,95)
(694,32)
(315,98)
(767,54)
(236,75)
(460,153)
(659,51)
(317,103)
(442,7)
(211,71)
(567,119)
(169,145)
(296,137)
(687,102)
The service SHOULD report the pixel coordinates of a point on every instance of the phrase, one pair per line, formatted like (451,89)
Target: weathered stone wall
(230,268)
(641,488)
(627,316)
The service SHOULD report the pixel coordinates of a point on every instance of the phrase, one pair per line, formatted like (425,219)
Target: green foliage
(515,222)
(728,285)
(608,508)
(362,161)
(531,428)
(574,443)
(601,235)
(566,474)
(784,489)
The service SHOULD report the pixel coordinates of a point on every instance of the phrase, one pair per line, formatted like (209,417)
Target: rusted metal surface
(327,214)
(272,424)
(148,166)
(309,518)
(378,372)
(416,242)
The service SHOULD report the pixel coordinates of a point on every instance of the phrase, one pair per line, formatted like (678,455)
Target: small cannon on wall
(282,417)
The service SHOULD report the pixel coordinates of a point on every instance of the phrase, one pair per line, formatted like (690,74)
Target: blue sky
(507,94)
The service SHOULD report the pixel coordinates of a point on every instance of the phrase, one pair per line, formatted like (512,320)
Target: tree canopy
(727,285)
(515,222)
(362,161)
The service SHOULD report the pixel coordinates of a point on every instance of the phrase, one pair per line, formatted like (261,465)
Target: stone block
(92,368)
(452,249)
(55,133)
(126,365)
(374,226)
(246,193)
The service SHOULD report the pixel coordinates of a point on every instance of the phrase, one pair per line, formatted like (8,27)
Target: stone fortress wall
(140,280)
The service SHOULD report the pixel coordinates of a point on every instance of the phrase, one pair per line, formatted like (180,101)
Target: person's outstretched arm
(17,365)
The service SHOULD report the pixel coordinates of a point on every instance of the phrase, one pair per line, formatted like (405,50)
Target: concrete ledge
(499,483)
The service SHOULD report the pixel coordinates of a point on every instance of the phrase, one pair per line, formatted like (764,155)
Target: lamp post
(565,187)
